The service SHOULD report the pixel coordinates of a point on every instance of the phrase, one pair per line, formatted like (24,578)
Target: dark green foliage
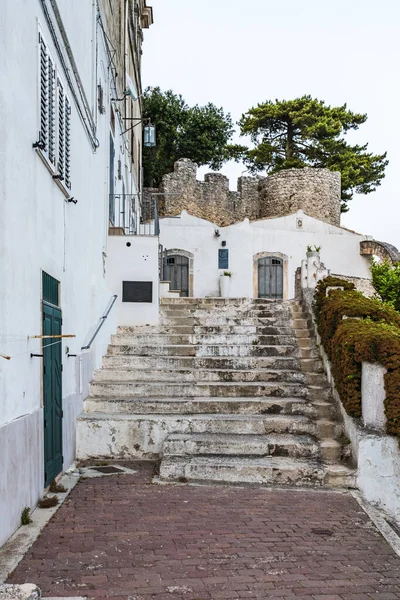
(373,337)
(386,281)
(201,133)
(26,516)
(306,132)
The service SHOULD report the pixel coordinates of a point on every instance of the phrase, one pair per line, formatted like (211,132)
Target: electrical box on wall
(137,291)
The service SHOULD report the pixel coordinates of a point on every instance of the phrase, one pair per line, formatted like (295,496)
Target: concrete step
(177,322)
(251,329)
(208,350)
(129,361)
(299,323)
(145,339)
(308,353)
(156,339)
(210,301)
(128,436)
(169,405)
(341,476)
(126,389)
(331,451)
(299,446)
(166,350)
(199,375)
(312,365)
(249,350)
(268,470)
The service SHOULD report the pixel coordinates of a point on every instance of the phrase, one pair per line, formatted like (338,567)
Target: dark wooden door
(52,393)
(178,273)
(270,277)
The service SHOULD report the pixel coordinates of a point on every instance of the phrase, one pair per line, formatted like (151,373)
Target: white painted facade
(281,237)
(134,258)
(41,231)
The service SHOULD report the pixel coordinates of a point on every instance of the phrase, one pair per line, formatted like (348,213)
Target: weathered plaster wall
(21,478)
(134,258)
(39,231)
(281,237)
(315,191)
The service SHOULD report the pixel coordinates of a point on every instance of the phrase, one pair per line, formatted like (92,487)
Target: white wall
(137,261)
(39,231)
(340,248)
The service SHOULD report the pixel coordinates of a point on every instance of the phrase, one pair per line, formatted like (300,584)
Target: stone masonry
(223,390)
(315,191)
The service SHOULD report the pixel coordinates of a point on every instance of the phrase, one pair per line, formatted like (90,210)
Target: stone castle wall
(315,191)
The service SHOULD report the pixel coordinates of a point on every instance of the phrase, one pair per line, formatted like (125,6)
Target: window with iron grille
(54,117)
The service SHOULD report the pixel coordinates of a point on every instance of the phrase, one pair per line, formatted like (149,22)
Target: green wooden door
(52,393)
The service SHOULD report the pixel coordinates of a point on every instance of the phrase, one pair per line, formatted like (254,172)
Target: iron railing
(127,217)
(101,322)
(162,263)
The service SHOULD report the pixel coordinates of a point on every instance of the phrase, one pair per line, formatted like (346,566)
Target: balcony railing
(127,217)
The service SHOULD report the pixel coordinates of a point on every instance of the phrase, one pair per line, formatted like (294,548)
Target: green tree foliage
(306,132)
(200,133)
(386,281)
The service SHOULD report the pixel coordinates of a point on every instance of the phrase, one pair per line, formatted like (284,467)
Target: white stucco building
(207,251)
(68,173)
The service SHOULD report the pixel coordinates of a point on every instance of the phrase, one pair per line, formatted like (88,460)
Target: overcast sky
(237,54)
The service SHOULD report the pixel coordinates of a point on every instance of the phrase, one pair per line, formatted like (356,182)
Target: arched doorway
(180,271)
(270,275)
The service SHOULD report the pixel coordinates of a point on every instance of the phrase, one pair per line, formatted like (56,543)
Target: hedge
(330,310)
(373,337)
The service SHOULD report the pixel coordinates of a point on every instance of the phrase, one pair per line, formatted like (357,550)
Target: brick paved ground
(119,537)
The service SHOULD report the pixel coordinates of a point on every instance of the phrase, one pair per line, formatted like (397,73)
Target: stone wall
(315,191)
(362,284)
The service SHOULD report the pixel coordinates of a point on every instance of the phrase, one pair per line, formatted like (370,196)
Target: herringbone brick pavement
(123,538)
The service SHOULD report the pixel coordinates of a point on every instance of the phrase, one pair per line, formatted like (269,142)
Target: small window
(276,261)
(171,261)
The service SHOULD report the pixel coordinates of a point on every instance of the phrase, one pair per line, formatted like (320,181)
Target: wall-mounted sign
(223,258)
(137,291)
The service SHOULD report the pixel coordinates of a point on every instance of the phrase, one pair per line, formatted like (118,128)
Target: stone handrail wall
(377,455)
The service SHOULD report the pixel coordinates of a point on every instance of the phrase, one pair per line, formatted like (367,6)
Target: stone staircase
(227,391)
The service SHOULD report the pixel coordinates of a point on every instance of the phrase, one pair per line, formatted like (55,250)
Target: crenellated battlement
(315,191)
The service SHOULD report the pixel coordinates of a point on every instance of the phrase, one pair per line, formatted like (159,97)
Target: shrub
(26,516)
(386,281)
(331,309)
(373,337)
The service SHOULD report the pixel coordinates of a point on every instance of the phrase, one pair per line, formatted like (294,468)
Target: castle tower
(314,191)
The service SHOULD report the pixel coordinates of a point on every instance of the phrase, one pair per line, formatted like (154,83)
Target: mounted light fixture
(149,135)
(130,90)
(149,131)
(216,233)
